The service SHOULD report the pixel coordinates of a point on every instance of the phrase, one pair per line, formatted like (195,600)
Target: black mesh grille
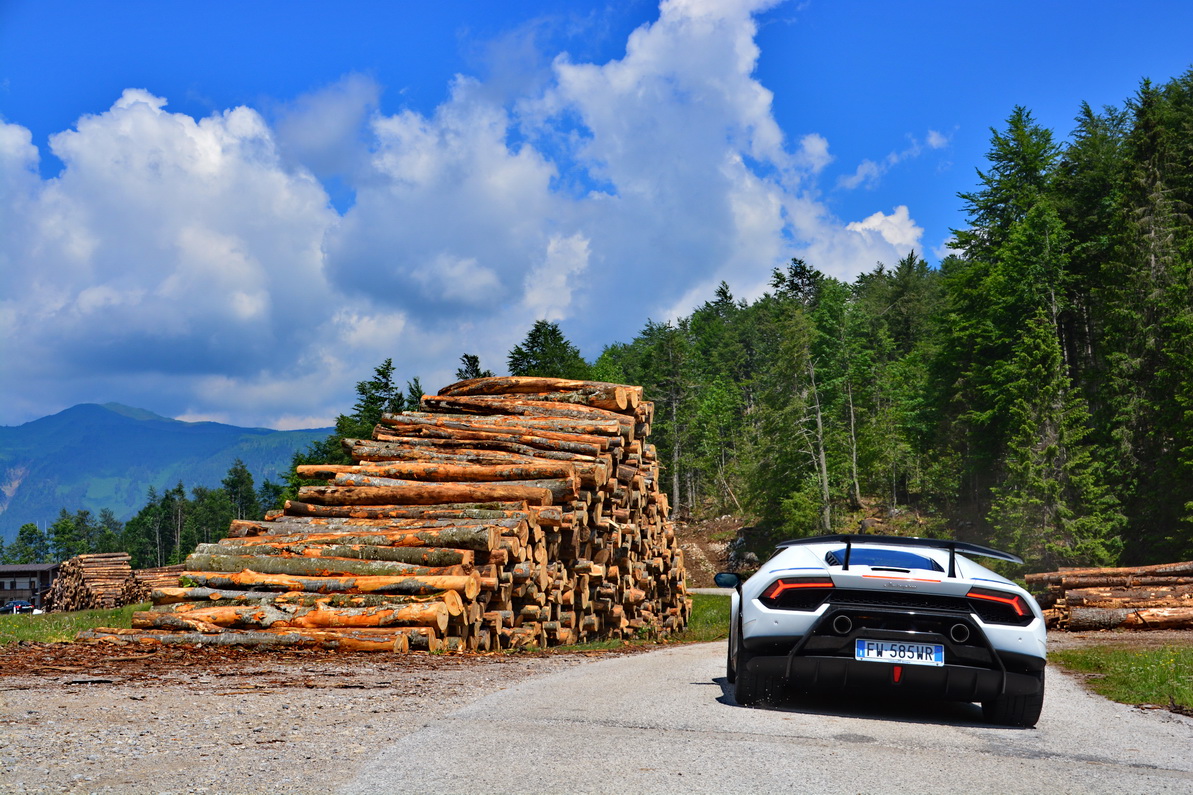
(910,601)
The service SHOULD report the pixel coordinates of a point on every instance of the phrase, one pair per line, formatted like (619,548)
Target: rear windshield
(887,558)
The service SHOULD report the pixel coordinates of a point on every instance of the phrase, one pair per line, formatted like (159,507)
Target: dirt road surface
(84,719)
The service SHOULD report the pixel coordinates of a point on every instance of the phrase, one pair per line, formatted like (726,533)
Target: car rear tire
(752,687)
(1021,711)
(730,670)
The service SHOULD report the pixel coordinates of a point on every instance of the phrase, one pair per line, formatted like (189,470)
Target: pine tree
(470,367)
(242,492)
(1052,507)
(547,353)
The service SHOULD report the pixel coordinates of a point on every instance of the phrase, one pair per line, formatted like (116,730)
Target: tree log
(473,434)
(356,548)
(422,494)
(1091,618)
(486,404)
(1075,576)
(490,510)
(481,538)
(168,596)
(468,586)
(318,616)
(617,396)
(316,567)
(441,472)
(562,489)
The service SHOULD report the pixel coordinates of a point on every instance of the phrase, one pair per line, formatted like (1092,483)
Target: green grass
(709,621)
(1162,675)
(58,627)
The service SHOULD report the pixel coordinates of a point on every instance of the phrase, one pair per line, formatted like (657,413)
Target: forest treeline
(162,533)
(1034,392)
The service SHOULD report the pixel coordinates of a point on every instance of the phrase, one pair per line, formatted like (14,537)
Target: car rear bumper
(951,682)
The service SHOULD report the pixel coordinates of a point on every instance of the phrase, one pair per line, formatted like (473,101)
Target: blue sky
(234,211)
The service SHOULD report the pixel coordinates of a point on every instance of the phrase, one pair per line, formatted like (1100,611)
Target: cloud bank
(199,267)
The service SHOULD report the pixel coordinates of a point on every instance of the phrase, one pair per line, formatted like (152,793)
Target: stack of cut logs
(89,582)
(511,512)
(142,582)
(1143,597)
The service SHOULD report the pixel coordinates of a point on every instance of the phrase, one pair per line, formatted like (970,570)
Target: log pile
(509,512)
(89,582)
(1142,597)
(142,582)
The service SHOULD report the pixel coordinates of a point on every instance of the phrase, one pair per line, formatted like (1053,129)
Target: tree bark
(468,586)
(214,596)
(266,616)
(562,489)
(353,548)
(422,494)
(441,472)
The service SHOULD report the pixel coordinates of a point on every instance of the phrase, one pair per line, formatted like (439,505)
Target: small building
(28,581)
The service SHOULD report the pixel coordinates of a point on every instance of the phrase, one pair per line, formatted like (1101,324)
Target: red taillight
(791,583)
(1014,600)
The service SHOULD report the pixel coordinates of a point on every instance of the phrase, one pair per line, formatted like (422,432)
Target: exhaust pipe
(959,633)
(842,624)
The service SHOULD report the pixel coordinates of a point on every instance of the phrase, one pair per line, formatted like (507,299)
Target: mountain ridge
(94,456)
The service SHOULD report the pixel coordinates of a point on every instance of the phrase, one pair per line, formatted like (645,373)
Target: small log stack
(510,512)
(89,582)
(142,582)
(1142,597)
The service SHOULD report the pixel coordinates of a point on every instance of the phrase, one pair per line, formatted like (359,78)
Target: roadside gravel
(82,719)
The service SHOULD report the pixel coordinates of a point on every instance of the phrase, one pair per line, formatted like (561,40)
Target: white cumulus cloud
(197,265)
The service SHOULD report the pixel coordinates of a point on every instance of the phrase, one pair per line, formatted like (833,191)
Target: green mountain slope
(95,457)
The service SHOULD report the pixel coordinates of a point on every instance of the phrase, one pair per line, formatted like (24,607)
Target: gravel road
(84,719)
(666,723)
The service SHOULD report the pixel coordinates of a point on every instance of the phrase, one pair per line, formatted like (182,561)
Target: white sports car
(884,612)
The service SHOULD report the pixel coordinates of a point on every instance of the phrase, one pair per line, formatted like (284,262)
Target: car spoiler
(849,539)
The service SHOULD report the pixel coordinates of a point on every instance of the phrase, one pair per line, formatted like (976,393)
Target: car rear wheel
(752,687)
(1022,711)
(730,670)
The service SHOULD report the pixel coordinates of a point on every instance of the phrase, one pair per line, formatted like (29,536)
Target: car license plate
(891,651)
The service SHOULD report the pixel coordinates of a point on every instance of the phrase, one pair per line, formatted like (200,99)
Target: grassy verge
(1132,675)
(709,621)
(57,627)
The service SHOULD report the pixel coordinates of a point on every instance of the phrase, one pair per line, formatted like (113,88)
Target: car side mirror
(726,579)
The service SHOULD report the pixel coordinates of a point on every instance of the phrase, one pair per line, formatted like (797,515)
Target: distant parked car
(18,606)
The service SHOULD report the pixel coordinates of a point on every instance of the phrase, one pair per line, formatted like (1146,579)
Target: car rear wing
(849,539)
